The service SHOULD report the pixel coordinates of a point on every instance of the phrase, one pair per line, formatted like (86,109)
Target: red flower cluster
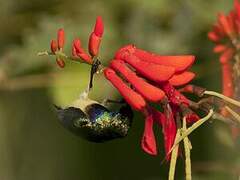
(58,46)
(77,49)
(142,77)
(225,34)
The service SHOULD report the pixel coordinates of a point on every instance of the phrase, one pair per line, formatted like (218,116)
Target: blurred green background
(33,145)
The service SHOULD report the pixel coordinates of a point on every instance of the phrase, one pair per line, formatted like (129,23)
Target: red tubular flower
(220,48)
(54,46)
(134,99)
(224,21)
(60,38)
(77,50)
(179,63)
(226,36)
(182,78)
(148,142)
(153,77)
(149,70)
(148,91)
(95,37)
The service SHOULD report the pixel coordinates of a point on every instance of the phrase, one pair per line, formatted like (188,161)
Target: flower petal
(148,91)
(60,38)
(135,100)
(148,142)
(151,71)
(168,127)
(182,78)
(180,63)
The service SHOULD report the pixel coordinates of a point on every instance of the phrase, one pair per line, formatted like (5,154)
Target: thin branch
(173,161)
(187,150)
(233,113)
(193,127)
(225,98)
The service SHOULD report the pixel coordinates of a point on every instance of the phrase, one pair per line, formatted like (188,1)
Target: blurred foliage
(35,146)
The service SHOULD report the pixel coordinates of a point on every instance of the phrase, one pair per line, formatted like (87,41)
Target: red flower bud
(180,63)
(148,142)
(219,48)
(95,37)
(135,100)
(182,78)
(213,36)
(224,21)
(151,71)
(60,38)
(148,91)
(226,56)
(54,46)
(60,63)
(94,44)
(99,27)
(80,51)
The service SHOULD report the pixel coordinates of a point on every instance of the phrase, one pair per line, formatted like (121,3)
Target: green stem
(173,161)
(225,98)
(187,149)
(193,127)
(233,113)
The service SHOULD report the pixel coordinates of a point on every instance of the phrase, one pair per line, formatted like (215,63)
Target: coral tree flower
(142,77)
(225,34)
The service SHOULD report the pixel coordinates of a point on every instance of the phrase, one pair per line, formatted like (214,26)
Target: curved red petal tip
(99,27)
(181,79)
(180,63)
(148,142)
(219,48)
(155,72)
(227,55)
(60,63)
(78,45)
(60,38)
(213,36)
(135,100)
(54,46)
(125,51)
(148,91)
(94,44)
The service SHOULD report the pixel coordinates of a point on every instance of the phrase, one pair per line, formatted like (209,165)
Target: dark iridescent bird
(93,121)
